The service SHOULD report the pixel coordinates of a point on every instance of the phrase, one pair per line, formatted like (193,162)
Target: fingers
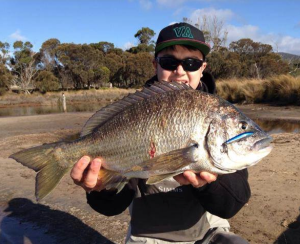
(85,174)
(196,180)
(208,177)
(91,178)
(181,180)
(79,168)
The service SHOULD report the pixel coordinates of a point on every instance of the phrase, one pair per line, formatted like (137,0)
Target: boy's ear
(204,65)
(154,64)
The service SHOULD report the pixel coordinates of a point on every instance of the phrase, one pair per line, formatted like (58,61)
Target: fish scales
(155,134)
(126,139)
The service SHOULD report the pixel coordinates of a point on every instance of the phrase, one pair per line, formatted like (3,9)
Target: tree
(138,69)
(104,76)
(272,64)
(216,63)
(258,59)
(115,64)
(5,78)
(48,55)
(213,29)
(145,35)
(46,81)
(145,43)
(5,75)
(4,49)
(79,64)
(142,48)
(117,51)
(104,47)
(24,65)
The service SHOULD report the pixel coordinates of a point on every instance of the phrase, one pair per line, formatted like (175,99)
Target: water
(279,126)
(270,126)
(36,110)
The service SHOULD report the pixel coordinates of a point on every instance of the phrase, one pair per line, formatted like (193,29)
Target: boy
(191,208)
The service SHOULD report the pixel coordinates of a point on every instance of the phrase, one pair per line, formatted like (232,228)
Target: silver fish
(155,134)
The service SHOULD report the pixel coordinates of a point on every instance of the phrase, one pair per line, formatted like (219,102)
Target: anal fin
(158,178)
(111,180)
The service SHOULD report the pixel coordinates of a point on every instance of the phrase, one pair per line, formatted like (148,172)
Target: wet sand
(272,214)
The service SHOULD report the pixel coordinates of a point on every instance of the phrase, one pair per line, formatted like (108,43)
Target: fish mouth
(262,144)
(226,170)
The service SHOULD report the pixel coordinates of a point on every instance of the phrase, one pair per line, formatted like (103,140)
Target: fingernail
(96,162)
(86,159)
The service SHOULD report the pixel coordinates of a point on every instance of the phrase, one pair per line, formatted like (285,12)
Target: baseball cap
(182,34)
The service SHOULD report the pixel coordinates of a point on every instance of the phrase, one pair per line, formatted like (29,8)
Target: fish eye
(243,125)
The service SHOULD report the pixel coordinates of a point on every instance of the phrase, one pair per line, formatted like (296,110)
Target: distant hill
(289,57)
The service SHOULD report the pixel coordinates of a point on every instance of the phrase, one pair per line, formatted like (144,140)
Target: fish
(154,134)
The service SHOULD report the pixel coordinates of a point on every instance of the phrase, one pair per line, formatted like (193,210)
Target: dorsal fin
(106,113)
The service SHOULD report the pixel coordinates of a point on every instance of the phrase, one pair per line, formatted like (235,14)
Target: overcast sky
(88,21)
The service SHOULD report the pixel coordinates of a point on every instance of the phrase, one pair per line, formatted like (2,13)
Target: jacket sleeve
(110,203)
(227,195)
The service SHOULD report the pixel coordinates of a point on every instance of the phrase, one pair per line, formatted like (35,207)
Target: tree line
(81,66)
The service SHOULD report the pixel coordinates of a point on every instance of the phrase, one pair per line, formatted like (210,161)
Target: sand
(271,215)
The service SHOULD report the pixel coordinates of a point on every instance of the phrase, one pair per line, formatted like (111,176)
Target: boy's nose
(180,70)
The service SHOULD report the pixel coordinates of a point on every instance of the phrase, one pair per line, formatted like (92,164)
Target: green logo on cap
(183,31)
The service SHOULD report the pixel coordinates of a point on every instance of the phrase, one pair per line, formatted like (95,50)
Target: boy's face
(191,78)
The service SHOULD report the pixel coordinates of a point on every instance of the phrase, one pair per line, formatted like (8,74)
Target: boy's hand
(85,173)
(195,179)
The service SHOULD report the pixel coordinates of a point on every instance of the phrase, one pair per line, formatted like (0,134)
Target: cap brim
(204,48)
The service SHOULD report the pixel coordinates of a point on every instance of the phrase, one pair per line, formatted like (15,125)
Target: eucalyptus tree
(258,59)
(4,52)
(139,68)
(24,66)
(48,54)
(145,35)
(46,81)
(5,79)
(115,64)
(5,75)
(80,63)
(104,47)
(146,43)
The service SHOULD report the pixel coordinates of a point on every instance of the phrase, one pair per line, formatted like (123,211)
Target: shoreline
(254,111)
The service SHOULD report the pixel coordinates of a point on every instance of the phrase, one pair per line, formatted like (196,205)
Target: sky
(273,22)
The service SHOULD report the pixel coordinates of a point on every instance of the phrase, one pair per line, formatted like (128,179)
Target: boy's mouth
(181,82)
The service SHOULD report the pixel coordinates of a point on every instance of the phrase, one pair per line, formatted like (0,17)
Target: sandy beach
(271,215)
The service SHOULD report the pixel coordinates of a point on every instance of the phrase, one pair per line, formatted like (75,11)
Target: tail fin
(43,160)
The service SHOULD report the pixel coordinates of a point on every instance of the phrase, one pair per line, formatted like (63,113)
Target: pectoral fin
(172,161)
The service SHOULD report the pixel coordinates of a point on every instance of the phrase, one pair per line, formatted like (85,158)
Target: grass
(102,96)
(280,90)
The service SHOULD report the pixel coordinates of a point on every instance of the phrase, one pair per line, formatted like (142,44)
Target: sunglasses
(188,64)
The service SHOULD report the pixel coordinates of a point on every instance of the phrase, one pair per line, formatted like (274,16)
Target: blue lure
(238,137)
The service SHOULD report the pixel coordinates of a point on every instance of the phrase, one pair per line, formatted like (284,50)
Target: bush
(3,90)
(281,90)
